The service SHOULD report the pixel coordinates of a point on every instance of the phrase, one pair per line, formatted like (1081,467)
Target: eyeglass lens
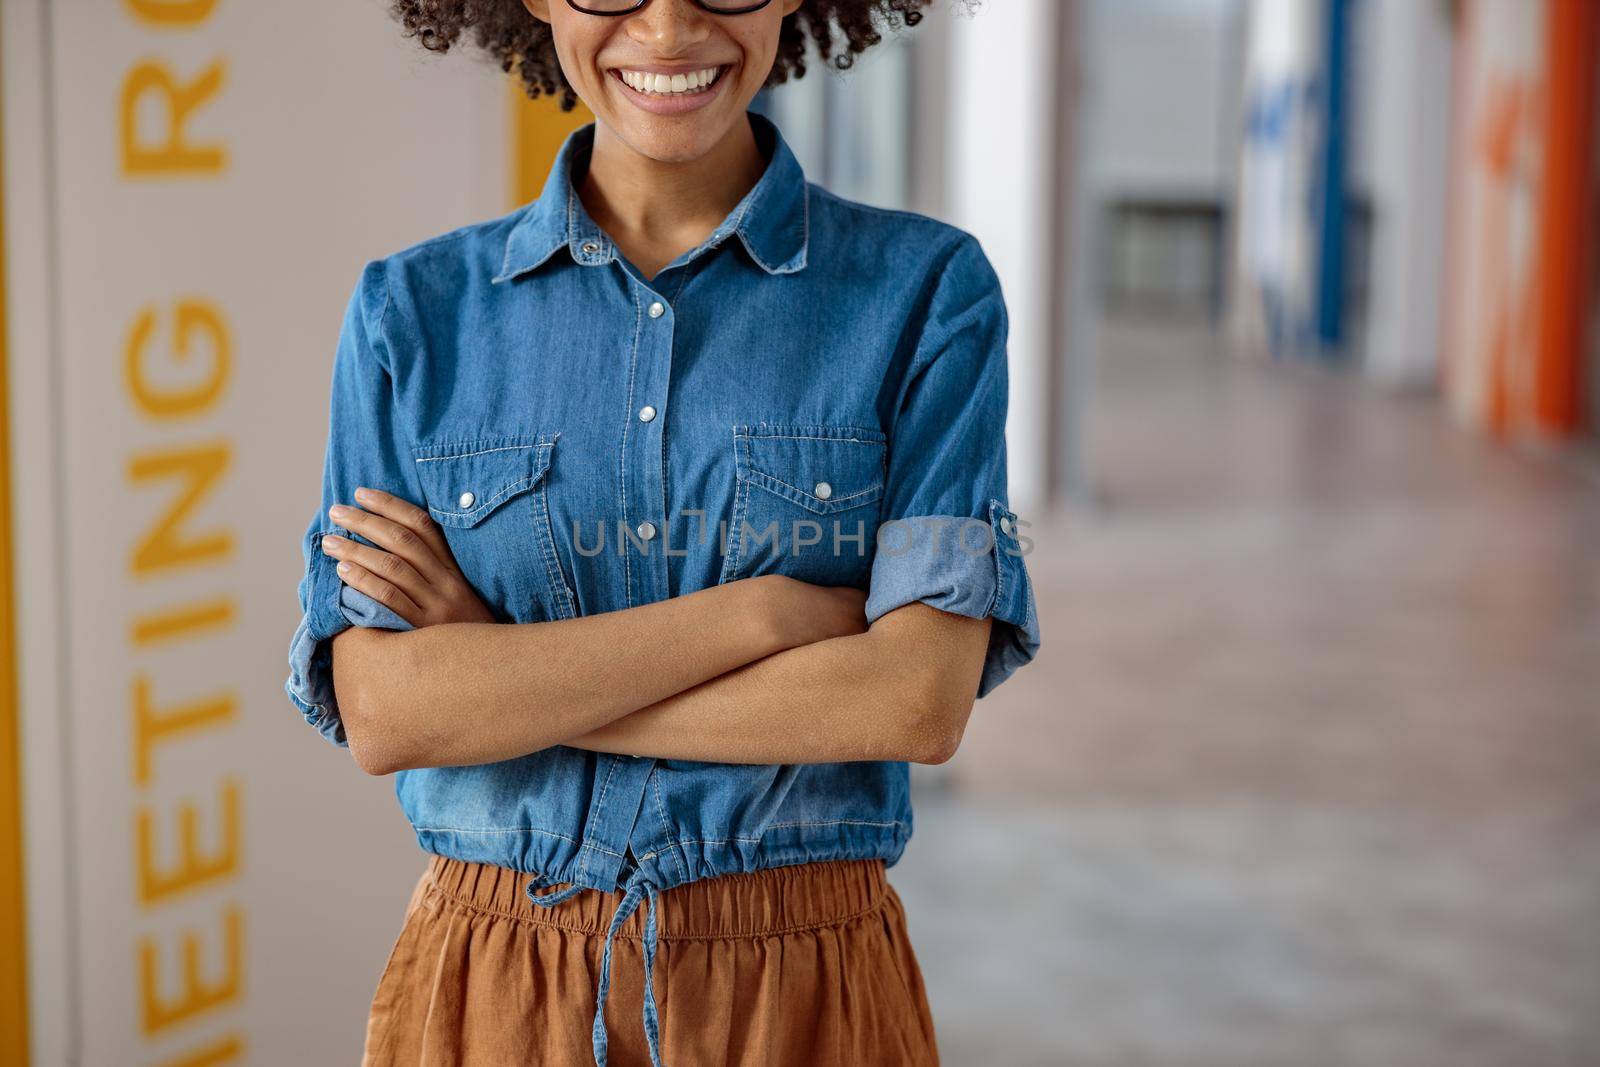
(623,7)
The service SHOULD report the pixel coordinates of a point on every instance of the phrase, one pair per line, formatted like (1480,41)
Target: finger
(393,537)
(385,565)
(385,593)
(411,516)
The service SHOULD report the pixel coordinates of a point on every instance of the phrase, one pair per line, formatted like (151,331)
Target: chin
(674,140)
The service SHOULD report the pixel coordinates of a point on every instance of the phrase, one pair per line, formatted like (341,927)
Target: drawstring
(637,889)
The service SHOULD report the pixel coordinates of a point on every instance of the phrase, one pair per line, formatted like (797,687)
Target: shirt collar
(772,221)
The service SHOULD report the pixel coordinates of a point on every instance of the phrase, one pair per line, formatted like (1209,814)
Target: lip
(672,105)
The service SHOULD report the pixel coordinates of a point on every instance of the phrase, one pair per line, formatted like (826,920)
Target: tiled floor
(1308,772)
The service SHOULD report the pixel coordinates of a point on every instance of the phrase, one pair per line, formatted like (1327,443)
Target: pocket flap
(465,482)
(824,469)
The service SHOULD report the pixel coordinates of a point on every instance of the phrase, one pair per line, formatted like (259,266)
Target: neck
(656,211)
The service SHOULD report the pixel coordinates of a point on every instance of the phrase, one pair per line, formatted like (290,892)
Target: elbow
(371,745)
(372,756)
(938,747)
(931,670)
(378,743)
(937,723)
(375,745)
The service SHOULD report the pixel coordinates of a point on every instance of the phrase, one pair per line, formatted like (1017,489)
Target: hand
(417,578)
(806,613)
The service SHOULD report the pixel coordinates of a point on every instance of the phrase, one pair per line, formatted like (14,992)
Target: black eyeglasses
(628,7)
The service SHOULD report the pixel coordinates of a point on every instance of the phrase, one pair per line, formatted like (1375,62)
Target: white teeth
(670,84)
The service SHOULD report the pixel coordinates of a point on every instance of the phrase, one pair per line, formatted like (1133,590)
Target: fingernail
(332,543)
(339,511)
(363,494)
(343,567)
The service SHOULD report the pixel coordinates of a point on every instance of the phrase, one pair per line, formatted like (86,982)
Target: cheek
(576,54)
(759,53)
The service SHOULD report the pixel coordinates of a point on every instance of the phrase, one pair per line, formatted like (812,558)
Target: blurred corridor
(1309,777)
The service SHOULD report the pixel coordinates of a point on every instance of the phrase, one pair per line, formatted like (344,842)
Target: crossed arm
(764,670)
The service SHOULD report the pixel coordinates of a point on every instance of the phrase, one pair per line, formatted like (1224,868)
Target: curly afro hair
(504,31)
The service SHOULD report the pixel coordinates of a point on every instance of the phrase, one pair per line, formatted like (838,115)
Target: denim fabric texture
(818,390)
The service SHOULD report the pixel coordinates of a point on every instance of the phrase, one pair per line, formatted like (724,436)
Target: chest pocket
(490,498)
(807,503)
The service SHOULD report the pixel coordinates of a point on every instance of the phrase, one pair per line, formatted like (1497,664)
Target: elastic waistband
(756,904)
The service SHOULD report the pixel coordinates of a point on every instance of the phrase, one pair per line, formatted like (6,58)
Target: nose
(669,27)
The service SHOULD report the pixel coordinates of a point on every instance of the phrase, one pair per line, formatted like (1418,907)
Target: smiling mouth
(682,83)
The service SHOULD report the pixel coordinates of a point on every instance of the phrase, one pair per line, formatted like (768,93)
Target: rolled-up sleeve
(365,448)
(950,539)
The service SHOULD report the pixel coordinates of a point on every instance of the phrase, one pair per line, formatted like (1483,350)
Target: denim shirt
(817,390)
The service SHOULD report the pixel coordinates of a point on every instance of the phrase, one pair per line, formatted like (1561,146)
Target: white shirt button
(657,310)
(1006,526)
(647,413)
(823,491)
(645,530)
(466,500)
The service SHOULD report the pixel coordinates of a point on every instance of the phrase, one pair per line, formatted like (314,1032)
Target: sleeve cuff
(966,566)
(330,607)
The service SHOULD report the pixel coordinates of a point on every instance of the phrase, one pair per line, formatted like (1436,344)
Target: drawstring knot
(636,889)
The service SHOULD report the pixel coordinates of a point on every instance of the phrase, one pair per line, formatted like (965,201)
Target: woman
(675,528)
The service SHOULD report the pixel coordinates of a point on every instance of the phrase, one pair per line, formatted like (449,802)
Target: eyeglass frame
(639,5)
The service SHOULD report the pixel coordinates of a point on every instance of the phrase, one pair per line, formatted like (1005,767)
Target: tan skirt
(804,965)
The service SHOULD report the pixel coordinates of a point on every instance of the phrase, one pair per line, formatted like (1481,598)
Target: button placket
(645,496)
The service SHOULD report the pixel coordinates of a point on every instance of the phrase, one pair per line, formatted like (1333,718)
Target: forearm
(467,693)
(901,691)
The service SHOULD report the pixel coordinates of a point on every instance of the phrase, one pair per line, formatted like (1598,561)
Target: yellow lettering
(144,155)
(200,467)
(171,12)
(194,619)
(168,403)
(152,726)
(193,870)
(197,996)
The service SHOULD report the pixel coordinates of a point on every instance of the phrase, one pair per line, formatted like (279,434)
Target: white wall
(1165,88)
(343,143)
(1402,127)
(1000,160)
